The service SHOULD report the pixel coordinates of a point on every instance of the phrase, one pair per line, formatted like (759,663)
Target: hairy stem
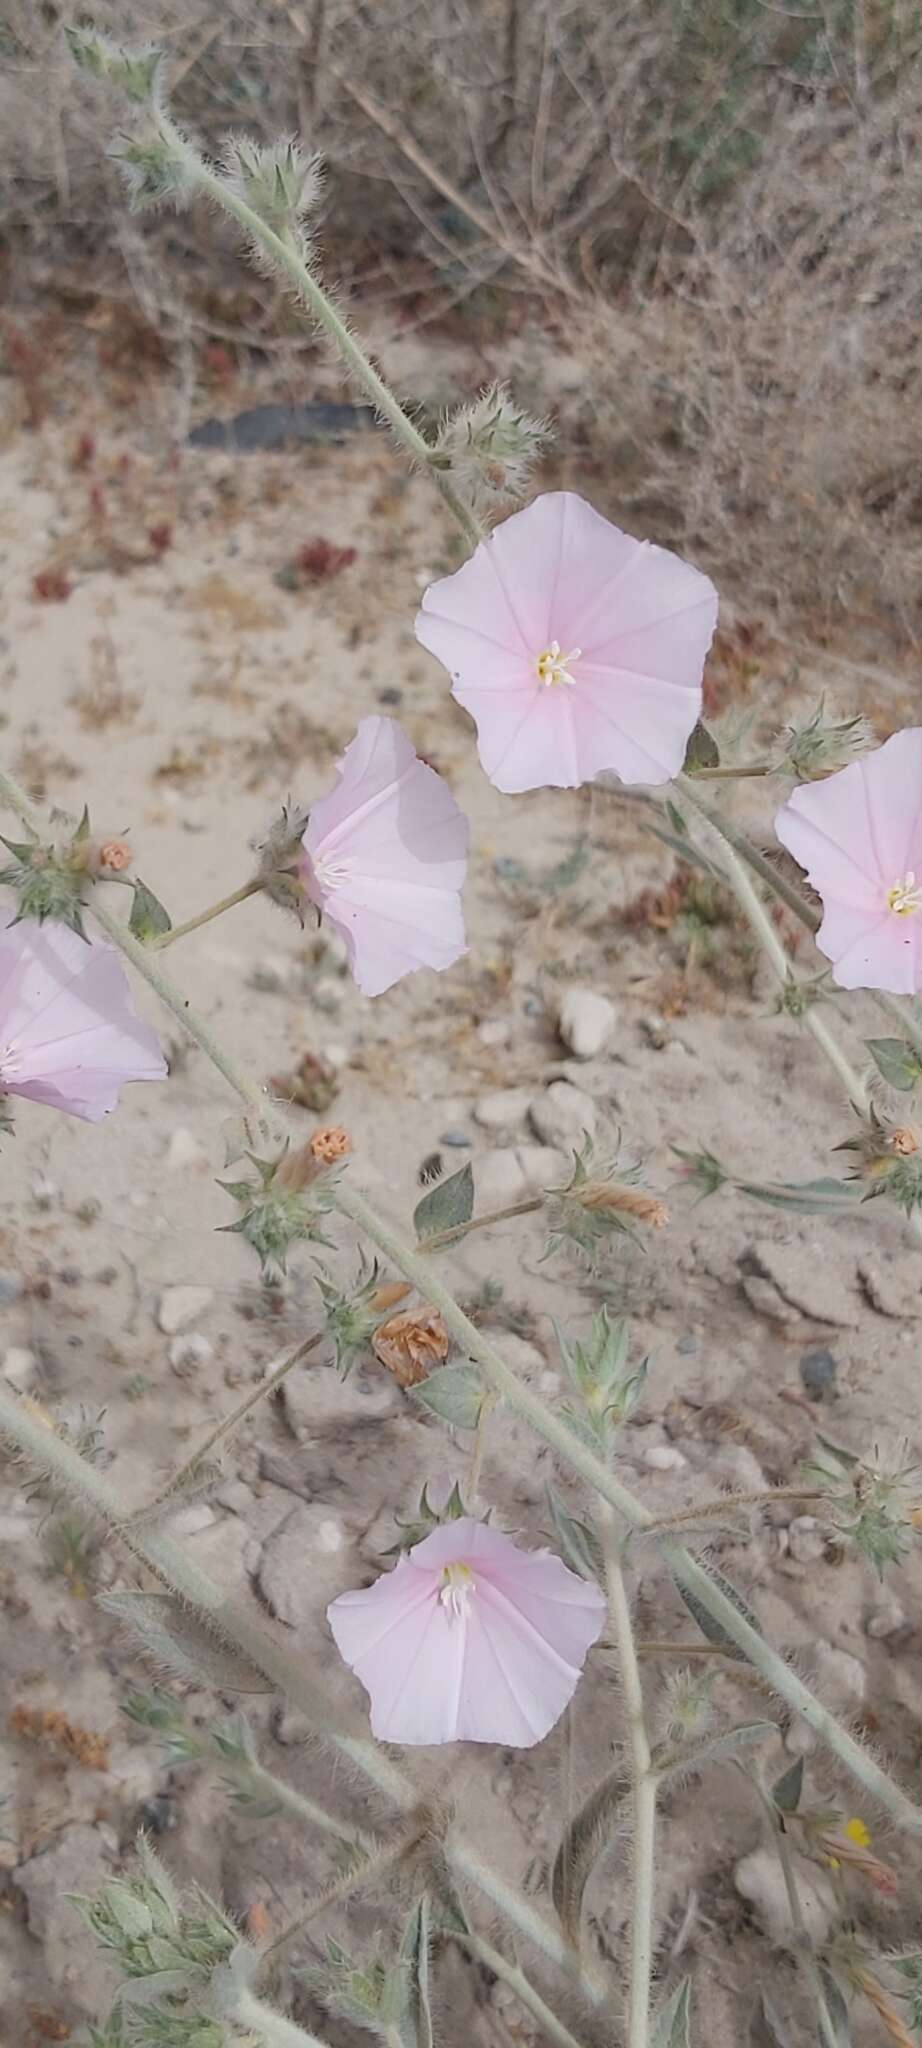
(643,1789)
(194,924)
(721,851)
(802,1943)
(730,1502)
(230,1422)
(440,1238)
(562,1439)
(286,257)
(517,1981)
(382,1858)
(271,1787)
(269,2027)
(487,1406)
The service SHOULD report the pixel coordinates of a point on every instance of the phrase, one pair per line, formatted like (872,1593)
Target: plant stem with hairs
(382,1858)
(802,1944)
(725,857)
(268,2027)
(194,924)
(440,1238)
(643,1784)
(509,1974)
(224,1429)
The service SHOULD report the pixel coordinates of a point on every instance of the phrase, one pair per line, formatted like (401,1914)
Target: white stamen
(905,895)
(457,1587)
(553,667)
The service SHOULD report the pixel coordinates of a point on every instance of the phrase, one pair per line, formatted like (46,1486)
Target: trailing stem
(644,1785)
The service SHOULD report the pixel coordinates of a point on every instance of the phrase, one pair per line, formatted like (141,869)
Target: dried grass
(719,207)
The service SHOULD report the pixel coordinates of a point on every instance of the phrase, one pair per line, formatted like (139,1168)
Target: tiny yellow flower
(857,1832)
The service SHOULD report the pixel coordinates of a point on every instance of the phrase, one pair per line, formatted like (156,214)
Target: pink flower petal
(632,624)
(385,859)
(69,1036)
(858,835)
(500,1666)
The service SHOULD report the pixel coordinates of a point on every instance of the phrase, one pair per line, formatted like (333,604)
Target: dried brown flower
(330,1143)
(52,1729)
(115,854)
(604,1194)
(411,1343)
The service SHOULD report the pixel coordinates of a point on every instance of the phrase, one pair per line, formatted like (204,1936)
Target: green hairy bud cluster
(491,446)
(609,1388)
(175,1943)
(282,1206)
(821,745)
(279,180)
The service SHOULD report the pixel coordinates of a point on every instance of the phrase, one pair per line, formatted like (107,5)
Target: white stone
(192,1520)
(188,1351)
(759,1880)
(805,1540)
(586,1022)
(19,1365)
(563,1115)
(495,1031)
(664,1458)
(180,1306)
(498,1179)
(544,1166)
(184,1153)
(886,1618)
(330,1536)
(502,1109)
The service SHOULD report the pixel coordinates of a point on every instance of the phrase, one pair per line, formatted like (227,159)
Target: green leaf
(766,2027)
(582,1843)
(578,1543)
(447,1205)
(702,750)
(671,2025)
(148,918)
(414,2019)
(895,1060)
(455,1393)
(786,1790)
(709,1626)
(725,1743)
(837,2009)
(177,1641)
(803,1198)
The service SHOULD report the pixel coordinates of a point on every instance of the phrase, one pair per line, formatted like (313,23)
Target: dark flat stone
(268,427)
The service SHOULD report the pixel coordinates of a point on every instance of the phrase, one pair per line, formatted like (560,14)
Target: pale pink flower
(858,834)
(575,648)
(69,1036)
(384,859)
(469,1639)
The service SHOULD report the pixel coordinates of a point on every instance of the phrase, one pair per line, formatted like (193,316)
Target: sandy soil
(183,693)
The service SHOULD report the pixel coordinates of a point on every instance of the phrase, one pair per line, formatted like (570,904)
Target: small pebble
(664,1458)
(886,1618)
(44,1192)
(187,1352)
(270,977)
(503,1109)
(818,1371)
(18,1365)
(759,1879)
(184,1153)
(585,1022)
(563,1115)
(180,1306)
(656,1032)
(192,1520)
(10,1288)
(390,694)
(806,1542)
(687,1346)
(495,1031)
(458,1140)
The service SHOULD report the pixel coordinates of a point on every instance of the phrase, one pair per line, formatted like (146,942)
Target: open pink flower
(574,647)
(384,859)
(469,1639)
(69,1036)
(858,834)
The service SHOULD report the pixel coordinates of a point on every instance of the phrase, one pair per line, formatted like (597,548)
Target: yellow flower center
(457,1586)
(905,895)
(553,667)
(857,1832)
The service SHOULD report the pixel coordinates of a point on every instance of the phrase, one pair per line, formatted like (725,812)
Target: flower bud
(280,856)
(351,1315)
(155,166)
(282,1206)
(137,73)
(609,1388)
(821,744)
(490,447)
(277,180)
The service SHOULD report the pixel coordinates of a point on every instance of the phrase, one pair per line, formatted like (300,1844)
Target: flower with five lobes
(384,859)
(69,1036)
(575,648)
(859,837)
(469,1639)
